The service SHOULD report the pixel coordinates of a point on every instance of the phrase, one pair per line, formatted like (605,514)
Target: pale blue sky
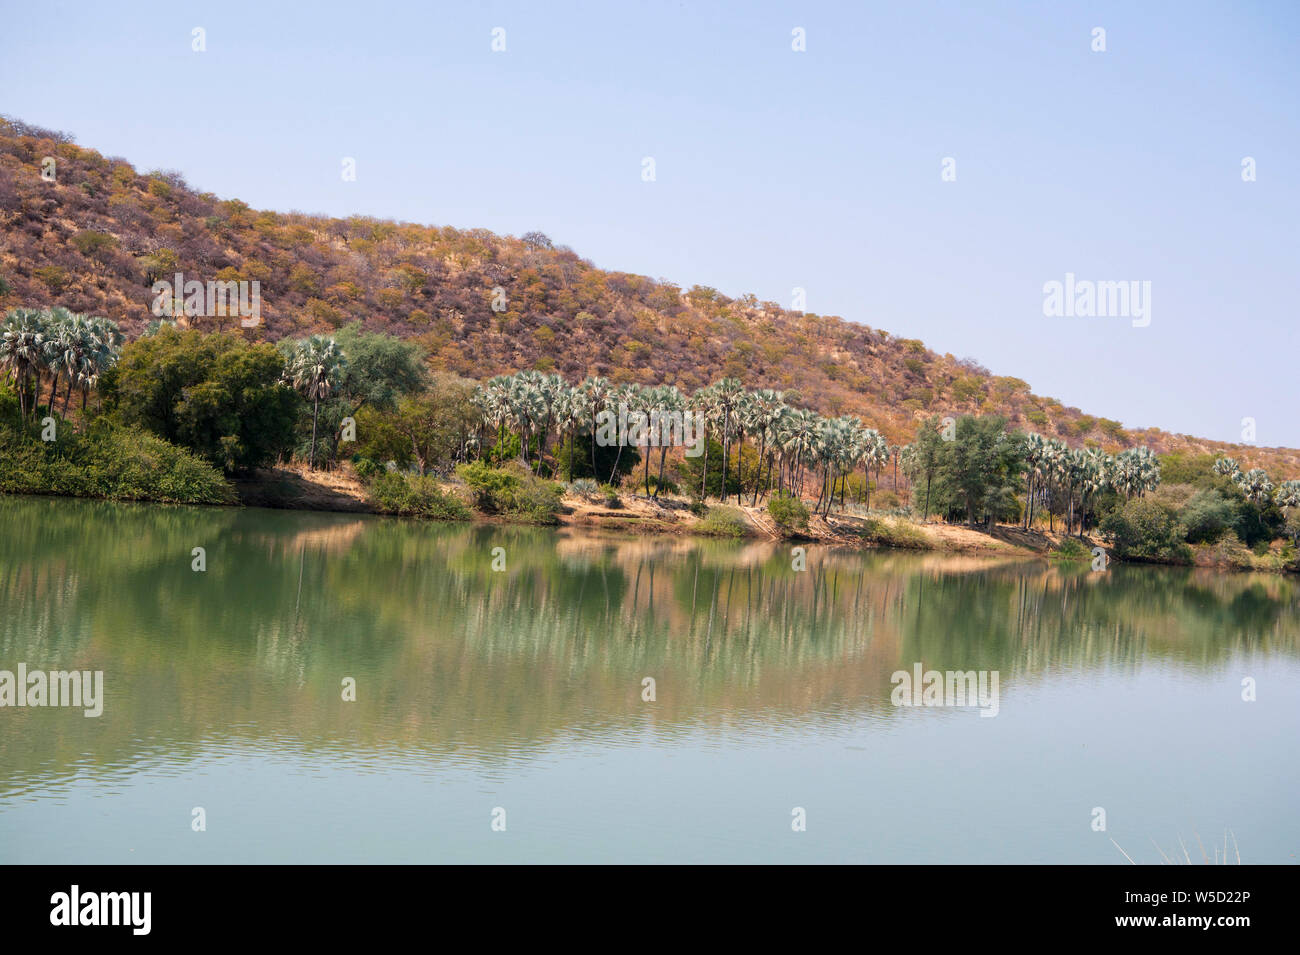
(775,169)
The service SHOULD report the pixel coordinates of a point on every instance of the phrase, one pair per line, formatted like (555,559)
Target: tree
(980,457)
(380,368)
(22,346)
(924,457)
(1256,486)
(433,426)
(316,367)
(217,394)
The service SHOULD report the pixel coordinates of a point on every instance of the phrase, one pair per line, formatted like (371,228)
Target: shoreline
(295,488)
(325,492)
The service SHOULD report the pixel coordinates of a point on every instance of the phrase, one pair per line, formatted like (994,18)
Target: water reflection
(457,661)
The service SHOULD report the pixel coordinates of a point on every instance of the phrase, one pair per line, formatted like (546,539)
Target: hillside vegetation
(95,238)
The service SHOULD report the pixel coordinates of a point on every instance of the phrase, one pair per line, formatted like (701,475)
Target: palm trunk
(740,468)
(704,480)
(315,413)
(617,458)
(726,453)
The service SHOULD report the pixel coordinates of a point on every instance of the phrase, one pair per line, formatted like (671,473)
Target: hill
(98,233)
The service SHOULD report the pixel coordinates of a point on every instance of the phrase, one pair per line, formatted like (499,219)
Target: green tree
(217,395)
(316,367)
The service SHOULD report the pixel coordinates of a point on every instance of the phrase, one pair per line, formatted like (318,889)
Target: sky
(775,169)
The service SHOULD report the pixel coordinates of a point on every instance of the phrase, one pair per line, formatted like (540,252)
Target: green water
(522,689)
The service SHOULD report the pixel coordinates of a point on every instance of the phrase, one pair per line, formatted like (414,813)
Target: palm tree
(101,354)
(597,393)
(1035,449)
(1227,467)
(1287,494)
(834,451)
(727,394)
(1094,479)
(58,350)
(490,399)
(1256,486)
(766,408)
(669,401)
(1055,454)
(704,404)
(1287,497)
(571,410)
(625,398)
(550,394)
(798,439)
(873,453)
(1136,471)
(526,409)
(74,350)
(316,367)
(22,341)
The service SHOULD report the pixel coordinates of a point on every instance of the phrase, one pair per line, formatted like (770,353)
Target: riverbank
(296,488)
(341,490)
(631,513)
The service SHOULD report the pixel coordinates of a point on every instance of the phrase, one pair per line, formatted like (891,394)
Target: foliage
(430,430)
(1206,517)
(788,513)
(216,395)
(584,487)
(511,492)
(1145,529)
(1071,548)
(415,495)
(724,522)
(898,532)
(106,461)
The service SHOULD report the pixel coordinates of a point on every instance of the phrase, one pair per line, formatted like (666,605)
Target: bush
(367,468)
(585,488)
(724,522)
(1206,517)
(107,461)
(788,513)
(415,495)
(489,488)
(896,533)
(1071,549)
(512,492)
(1144,529)
(535,501)
(612,500)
